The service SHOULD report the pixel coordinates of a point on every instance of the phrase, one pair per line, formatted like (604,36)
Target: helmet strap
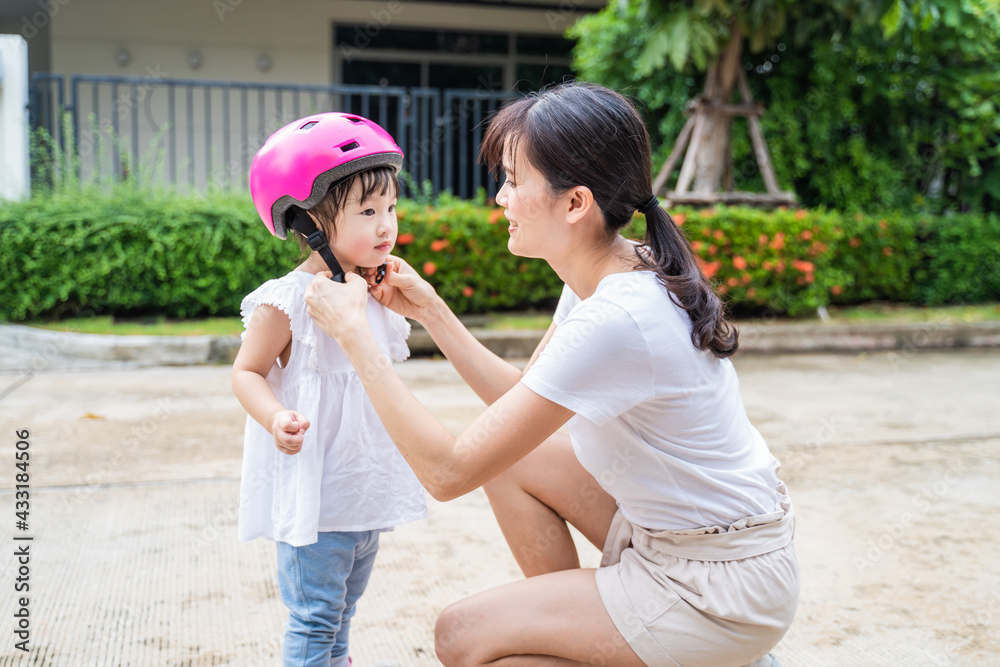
(304,225)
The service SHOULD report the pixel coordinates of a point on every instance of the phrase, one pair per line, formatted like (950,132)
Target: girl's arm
(486,373)
(268,334)
(516,422)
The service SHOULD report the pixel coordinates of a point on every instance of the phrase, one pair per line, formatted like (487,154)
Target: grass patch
(875,313)
(152,326)
(518,321)
(889,313)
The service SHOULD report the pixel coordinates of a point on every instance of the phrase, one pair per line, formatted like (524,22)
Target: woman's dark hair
(584,134)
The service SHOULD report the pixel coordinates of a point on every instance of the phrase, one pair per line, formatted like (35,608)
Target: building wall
(231,34)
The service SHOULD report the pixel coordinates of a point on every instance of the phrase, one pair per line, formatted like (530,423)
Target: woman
(662,469)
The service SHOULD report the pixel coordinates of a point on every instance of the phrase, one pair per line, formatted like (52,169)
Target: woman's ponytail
(678,270)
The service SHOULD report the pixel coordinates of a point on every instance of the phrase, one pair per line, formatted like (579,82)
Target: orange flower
(762,239)
(780,266)
(854,243)
(804,267)
(887,251)
(739,263)
(733,282)
(810,277)
(799,214)
(708,268)
(467,291)
(718,234)
(837,290)
(779,241)
(439,245)
(404,239)
(805,235)
(430,268)
(767,265)
(697,246)
(751,293)
(712,250)
(679,219)
(496,215)
(746,278)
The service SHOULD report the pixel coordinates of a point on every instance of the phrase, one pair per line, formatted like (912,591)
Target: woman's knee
(454,635)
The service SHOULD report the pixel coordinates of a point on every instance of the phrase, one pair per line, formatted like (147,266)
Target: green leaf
(892,19)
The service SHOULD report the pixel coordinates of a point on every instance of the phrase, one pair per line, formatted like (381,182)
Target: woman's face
(528,207)
(365,230)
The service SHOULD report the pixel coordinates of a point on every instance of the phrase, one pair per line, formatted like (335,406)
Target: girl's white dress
(348,476)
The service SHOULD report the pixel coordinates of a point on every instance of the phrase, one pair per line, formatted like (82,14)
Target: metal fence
(193,134)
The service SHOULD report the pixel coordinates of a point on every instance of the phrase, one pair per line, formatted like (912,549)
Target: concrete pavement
(892,459)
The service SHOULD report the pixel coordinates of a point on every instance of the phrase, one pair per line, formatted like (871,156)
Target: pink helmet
(297,164)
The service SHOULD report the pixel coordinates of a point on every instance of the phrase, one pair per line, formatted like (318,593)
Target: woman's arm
(268,335)
(406,292)
(516,422)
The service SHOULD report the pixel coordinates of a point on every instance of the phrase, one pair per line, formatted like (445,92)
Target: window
(449,58)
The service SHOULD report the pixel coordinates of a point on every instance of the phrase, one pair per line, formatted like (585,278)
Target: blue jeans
(320,584)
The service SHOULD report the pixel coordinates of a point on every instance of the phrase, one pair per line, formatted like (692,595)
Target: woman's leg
(548,620)
(533,499)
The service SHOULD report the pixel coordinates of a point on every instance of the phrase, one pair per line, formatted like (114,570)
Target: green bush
(133,252)
(960,260)
(130,252)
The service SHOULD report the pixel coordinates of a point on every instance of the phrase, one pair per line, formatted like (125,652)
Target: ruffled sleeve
(399,331)
(287,294)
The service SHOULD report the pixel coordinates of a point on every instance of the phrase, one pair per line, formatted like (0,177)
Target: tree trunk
(715,146)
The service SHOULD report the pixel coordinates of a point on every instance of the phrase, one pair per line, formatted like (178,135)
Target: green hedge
(130,252)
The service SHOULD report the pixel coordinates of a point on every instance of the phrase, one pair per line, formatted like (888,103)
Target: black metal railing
(194,134)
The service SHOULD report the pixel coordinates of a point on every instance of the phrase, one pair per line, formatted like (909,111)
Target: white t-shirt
(660,424)
(348,476)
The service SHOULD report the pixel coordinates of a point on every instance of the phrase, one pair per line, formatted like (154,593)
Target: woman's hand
(402,290)
(341,310)
(289,428)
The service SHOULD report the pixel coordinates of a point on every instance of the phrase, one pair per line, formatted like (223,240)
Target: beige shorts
(712,596)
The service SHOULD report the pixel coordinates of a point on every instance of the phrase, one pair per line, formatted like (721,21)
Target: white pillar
(15,179)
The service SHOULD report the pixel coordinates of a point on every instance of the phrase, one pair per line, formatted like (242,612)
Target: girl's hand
(341,310)
(288,428)
(402,290)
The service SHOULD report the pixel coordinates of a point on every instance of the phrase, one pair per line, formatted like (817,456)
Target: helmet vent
(349,147)
(309,125)
(355,120)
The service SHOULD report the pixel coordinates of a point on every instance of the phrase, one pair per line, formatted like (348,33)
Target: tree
(665,43)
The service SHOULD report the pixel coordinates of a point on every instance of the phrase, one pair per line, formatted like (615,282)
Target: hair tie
(649,205)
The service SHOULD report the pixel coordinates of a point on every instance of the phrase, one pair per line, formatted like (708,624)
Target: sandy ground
(892,461)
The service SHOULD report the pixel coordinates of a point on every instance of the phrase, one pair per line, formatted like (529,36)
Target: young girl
(320,475)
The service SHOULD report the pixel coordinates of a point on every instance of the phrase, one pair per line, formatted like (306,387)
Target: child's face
(366,230)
